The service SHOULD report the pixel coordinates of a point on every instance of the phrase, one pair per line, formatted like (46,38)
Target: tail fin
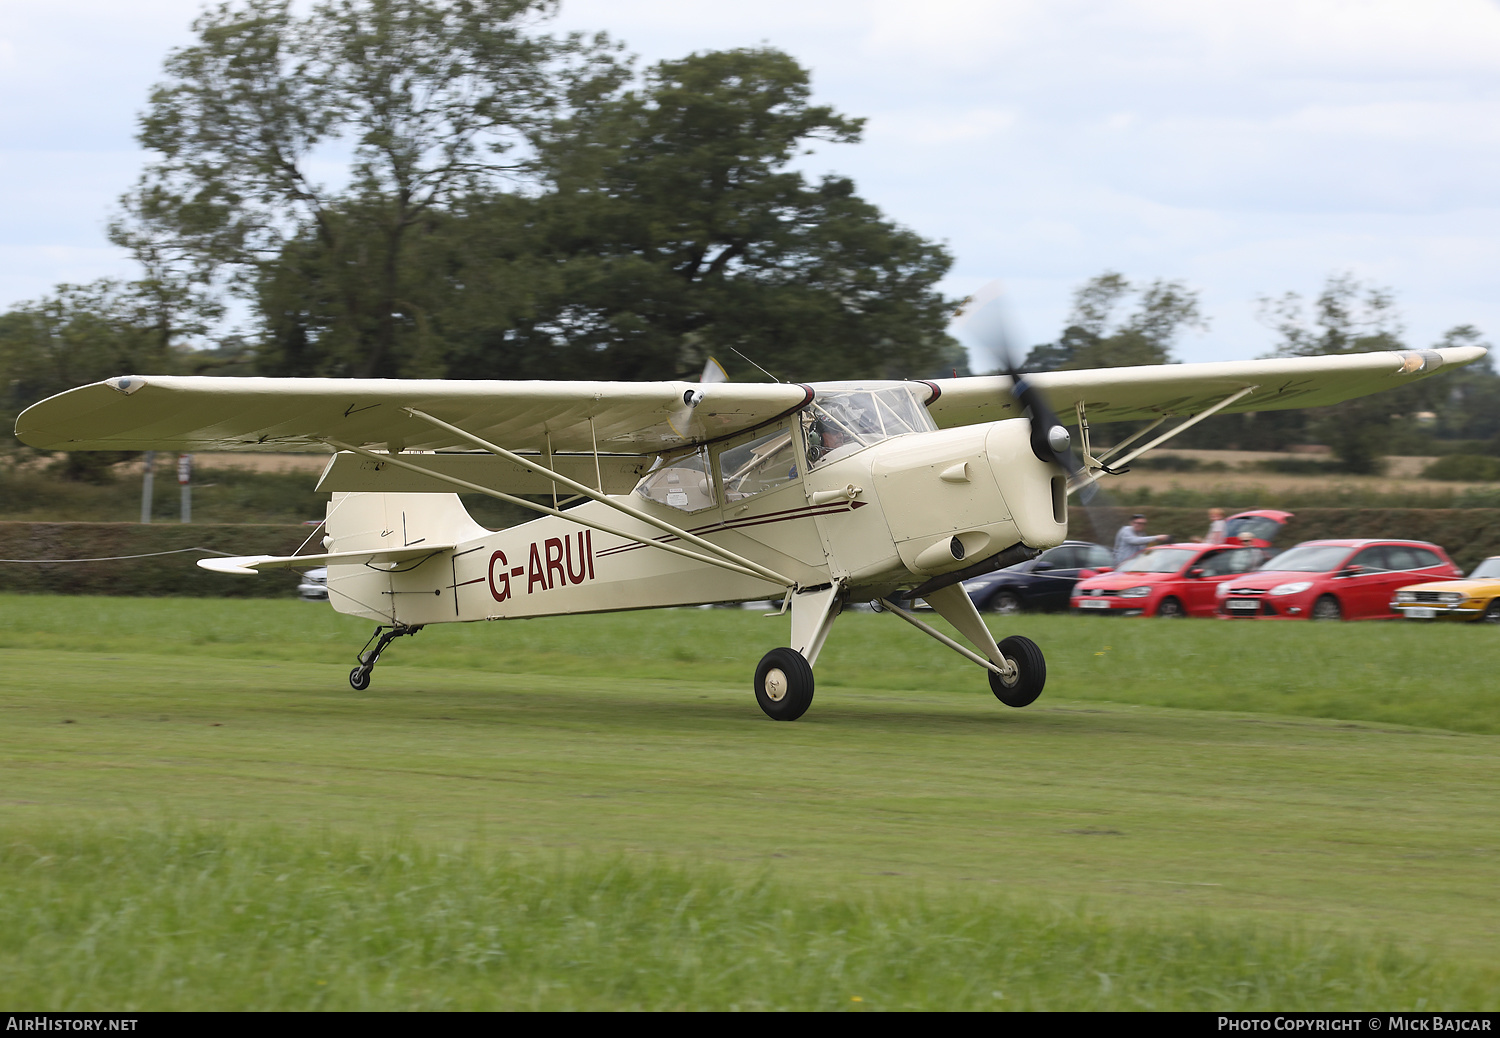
(375,522)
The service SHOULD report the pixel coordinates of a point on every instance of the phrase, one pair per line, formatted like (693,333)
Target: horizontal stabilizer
(249,565)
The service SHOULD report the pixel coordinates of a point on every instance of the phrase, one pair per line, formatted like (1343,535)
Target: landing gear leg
(1017,670)
(784,679)
(359,677)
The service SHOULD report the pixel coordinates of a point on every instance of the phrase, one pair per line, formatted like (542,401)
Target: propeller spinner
(985,325)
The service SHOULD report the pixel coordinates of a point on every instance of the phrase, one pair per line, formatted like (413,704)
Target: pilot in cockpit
(828,440)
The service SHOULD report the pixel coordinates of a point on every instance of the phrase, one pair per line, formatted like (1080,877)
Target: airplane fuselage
(889,515)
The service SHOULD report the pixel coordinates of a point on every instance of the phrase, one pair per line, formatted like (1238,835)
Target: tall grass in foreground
(172,918)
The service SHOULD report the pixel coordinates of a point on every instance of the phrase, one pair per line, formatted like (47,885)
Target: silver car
(314,586)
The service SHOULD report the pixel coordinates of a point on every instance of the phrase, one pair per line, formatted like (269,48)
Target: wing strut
(1005,668)
(618,505)
(1095,467)
(572,517)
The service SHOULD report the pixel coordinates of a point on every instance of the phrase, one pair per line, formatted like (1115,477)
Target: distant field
(278,488)
(591,812)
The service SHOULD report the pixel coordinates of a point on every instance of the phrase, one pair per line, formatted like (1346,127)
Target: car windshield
(1310,558)
(1257,526)
(1489,569)
(1161,560)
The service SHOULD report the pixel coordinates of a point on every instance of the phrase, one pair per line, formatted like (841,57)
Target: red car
(1257,528)
(1335,580)
(1170,580)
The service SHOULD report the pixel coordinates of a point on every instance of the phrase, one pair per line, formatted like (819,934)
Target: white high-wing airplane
(680,493)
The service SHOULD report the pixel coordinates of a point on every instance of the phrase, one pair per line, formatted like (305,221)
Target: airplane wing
(201,413)
(1119,394)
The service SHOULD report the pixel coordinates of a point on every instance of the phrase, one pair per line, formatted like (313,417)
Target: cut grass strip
(1397,672)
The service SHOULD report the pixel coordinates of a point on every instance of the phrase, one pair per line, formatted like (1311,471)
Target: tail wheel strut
(359,677)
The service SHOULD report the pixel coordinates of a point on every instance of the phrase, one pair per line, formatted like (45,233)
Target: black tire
(1031,673)
(1170,609)
(1491,612)
(1006,603)
(359,679)
(784,684)
(1327,608)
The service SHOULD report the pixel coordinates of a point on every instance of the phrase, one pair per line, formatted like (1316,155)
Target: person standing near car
(1217,533)
(1132,538)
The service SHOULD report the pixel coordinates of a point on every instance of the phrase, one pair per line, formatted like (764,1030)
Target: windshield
(845,418)
(1311,558)
(1257,526)
(1488,569)
(1160,560)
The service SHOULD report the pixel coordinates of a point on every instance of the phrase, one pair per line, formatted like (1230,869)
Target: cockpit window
(686,483)
(843,419)
(762,464)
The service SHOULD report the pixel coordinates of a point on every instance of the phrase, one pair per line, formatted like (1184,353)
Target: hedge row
(1467,534)
(175,574)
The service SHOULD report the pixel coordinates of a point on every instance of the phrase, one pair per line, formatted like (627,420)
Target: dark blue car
(1045,582)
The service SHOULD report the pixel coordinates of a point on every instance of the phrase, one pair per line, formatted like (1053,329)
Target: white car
(314,586)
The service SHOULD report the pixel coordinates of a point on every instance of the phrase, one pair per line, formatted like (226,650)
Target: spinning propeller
(985,325)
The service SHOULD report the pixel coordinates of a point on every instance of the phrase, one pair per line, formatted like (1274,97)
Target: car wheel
(1492,612)
(1006,603)
(1170,609)
(1327,608)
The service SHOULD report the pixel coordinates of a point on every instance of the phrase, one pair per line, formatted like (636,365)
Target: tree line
(1114,322)
(442,188)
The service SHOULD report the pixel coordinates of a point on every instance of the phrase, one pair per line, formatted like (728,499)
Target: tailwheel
(359,677)
(784,684)
(1023,686)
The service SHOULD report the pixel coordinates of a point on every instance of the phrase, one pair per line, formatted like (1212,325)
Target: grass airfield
(196,811)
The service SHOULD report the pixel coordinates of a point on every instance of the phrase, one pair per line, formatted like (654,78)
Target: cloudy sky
(1247,147)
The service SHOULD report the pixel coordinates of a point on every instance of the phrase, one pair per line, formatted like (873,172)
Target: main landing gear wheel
(359,679)
(784,684)
(1021,688)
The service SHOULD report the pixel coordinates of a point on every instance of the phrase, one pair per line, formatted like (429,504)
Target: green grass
(193,919)
(591,812)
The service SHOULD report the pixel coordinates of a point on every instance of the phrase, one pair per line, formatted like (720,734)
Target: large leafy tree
(674,229)
(1095,337)
(79,334)
(340,133)
(1348,316)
